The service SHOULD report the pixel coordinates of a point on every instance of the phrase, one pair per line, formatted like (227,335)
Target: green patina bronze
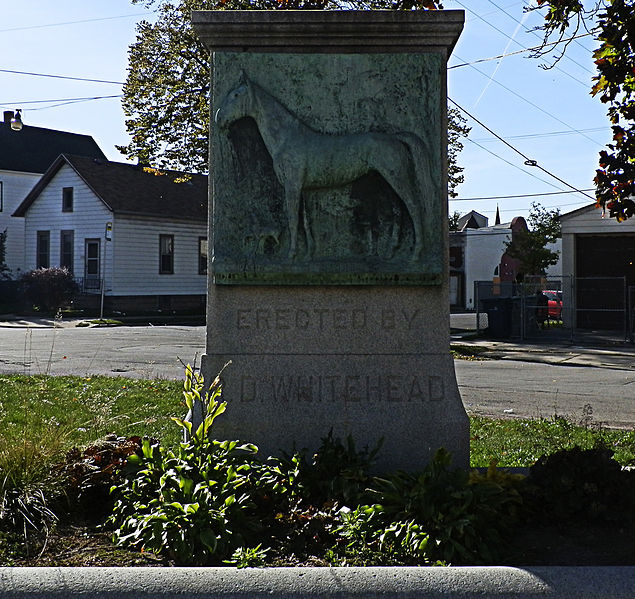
(327,169)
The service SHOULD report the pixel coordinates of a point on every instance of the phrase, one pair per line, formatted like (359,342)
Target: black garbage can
(499,316)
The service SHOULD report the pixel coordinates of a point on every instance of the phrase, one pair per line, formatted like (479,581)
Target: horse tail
(422,166)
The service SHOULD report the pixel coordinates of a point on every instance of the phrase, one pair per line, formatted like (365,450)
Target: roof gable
(33,149)
(133,190)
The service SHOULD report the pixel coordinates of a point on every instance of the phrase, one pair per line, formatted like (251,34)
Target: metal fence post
(478,309)
(522,311)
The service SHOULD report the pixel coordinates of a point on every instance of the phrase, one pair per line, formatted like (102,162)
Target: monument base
(365,362)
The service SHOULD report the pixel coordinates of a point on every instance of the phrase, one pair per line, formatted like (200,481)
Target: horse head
(236,104)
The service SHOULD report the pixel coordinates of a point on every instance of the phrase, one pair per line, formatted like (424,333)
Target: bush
(49,288)
(581,486)
(194,504)
(211,502)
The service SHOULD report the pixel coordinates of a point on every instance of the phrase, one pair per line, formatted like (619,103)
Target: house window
(67,239)
(166,254)
(43,258)
(67,199)
(202,255)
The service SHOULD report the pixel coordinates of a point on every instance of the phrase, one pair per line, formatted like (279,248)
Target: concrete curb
(320,583)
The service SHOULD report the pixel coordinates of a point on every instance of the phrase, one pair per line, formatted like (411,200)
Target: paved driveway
(138,352)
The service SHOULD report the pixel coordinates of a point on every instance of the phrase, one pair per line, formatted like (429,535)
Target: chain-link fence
(631,313)
(557,308)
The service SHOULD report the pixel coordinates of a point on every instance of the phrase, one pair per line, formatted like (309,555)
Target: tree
(166,93)
(613,24)
(453,221)
(529,247)
(457,129)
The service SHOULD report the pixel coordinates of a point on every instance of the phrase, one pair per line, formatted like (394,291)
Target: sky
(545,115)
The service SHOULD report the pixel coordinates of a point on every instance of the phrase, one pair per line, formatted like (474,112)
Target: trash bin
(499,316)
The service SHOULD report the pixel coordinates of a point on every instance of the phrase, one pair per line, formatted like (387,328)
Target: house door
(92,267)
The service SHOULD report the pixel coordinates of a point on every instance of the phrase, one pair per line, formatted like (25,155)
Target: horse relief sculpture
(305,160)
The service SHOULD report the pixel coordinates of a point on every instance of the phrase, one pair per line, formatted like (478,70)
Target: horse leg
(292,195)
(400,182)
(306,220)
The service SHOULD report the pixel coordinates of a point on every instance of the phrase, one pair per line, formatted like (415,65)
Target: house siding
(87,220)
(136,242)
(15,187)
(483,252)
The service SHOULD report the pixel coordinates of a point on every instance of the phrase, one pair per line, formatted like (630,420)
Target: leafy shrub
(195,503)
(581,485)
(49,288)
(465,520)
(337,472)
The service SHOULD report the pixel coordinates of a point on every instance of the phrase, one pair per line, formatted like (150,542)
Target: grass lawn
(43,418)
(76,411)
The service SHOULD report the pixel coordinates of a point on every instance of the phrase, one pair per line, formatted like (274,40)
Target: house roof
(132,189)
(472,220)
(33,149)
(577,211)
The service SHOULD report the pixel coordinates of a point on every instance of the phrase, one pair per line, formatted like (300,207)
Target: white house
(24,157)
(478,253)
(141,230)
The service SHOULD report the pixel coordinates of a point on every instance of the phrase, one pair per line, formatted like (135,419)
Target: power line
(515,53)
(140,14)
(60,77)
(538,36)
(518,195)
(555,118)
(586,85)
(528,161)
(59,100)
(522,170)
(552,133)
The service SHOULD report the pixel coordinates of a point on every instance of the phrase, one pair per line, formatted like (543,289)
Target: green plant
(248,557)
(28,485)
(337,472)
(465,520)
(582,485)
(364,539)
(48,288)
(195,503)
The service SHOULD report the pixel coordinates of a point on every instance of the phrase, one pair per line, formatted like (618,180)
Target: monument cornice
(319,31)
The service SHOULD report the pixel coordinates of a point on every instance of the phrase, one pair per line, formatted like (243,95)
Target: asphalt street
(521,381)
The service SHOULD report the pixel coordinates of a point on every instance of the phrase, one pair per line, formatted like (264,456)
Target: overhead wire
(503,33)
(82,99)
(532,32)
(516,52)
(551,134)
(60,77)
(528,161)
(554,117)
(522,170)
(28,27)
(517,195)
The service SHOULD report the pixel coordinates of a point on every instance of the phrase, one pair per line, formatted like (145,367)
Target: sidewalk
(36,322)
(588,353)
(622,358)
